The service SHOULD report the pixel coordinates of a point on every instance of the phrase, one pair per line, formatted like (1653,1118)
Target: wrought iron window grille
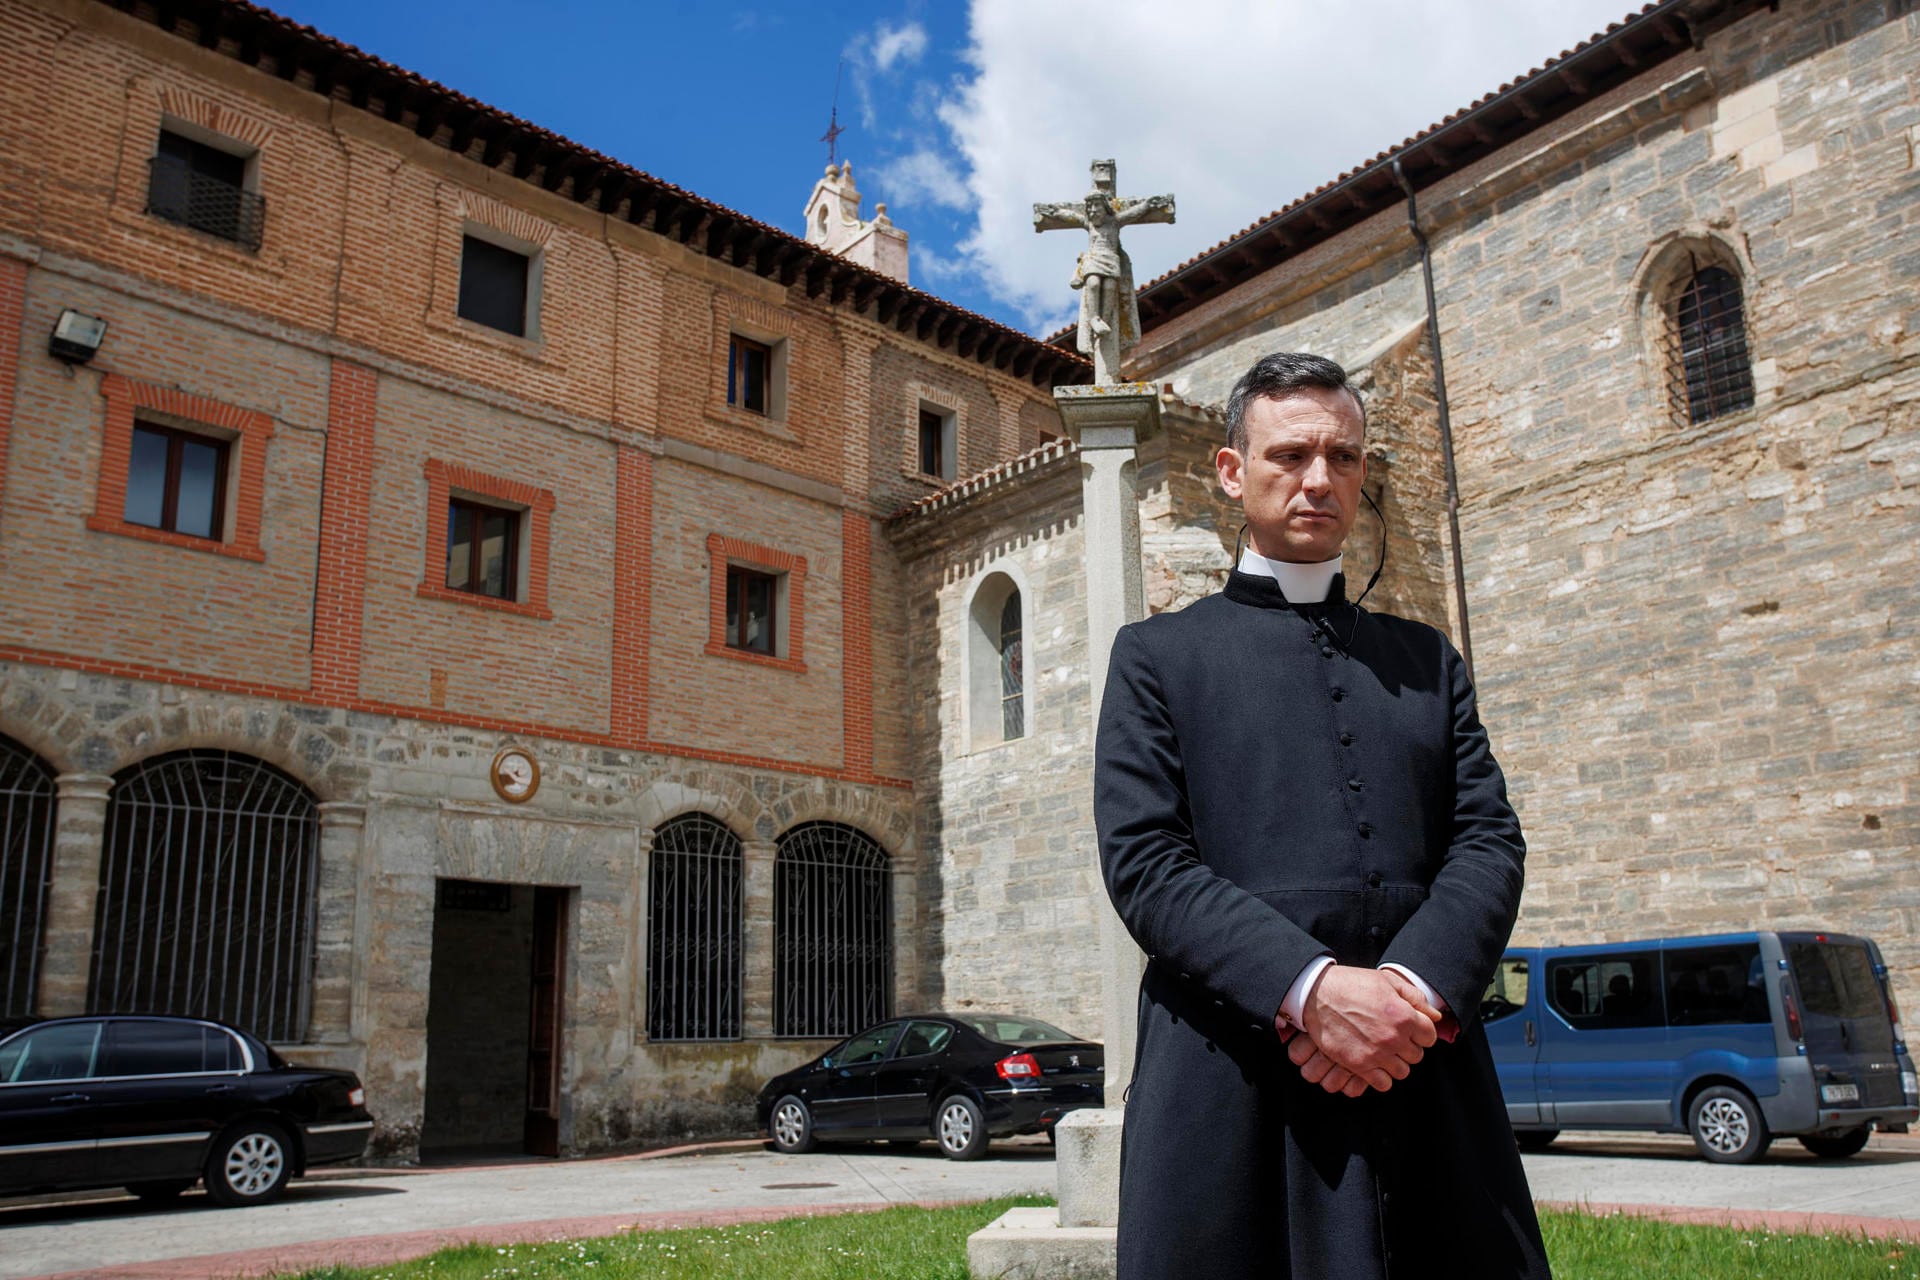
(832,932)
(1708,366)
(178,193)
(693,931)
(1013,683)
(207,894)
(27,799)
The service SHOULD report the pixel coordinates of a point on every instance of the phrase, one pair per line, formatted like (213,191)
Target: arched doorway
(26,857)
(832,931)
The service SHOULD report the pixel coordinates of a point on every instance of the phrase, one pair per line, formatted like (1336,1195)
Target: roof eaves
(992,478)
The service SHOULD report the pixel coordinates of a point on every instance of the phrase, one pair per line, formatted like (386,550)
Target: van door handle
(1529,1031)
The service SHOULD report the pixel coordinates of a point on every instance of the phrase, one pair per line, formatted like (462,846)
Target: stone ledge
(1030,1244)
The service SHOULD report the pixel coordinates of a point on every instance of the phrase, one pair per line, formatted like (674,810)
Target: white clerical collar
(1300,583)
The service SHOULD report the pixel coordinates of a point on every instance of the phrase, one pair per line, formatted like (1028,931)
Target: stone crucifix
(1109,313)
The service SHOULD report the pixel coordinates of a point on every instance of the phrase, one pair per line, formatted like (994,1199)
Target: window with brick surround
(483,548)
(939,446)
(757,603)
(487,540)
(749,374)
(181,469)
(496,285)
(177,481)
(205,182)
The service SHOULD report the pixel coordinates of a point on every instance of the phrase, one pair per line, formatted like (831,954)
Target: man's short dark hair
(1276,376)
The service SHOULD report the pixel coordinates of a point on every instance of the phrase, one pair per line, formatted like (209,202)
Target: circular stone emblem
(516,775)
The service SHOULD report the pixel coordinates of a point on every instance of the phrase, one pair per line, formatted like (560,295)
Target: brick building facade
(287,240)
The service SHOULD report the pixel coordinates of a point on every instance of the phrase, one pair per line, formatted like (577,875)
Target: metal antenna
(832,136)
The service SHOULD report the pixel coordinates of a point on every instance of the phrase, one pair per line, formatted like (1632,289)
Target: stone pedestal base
(1087,1167)
(1030,1244)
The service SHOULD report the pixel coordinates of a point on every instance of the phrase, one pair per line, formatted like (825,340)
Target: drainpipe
(1446,424)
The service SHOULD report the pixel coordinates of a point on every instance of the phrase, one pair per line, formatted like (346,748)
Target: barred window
(206,903)
(1013,681)
(1709,369)
(26,850)
(832,931)
(693,931)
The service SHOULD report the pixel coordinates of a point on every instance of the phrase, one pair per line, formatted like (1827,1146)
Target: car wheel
(960,1129)
(160,1192)
(790,1125)
(1535,1139)
(1727,1126)
(250,1164)
(1832,1146)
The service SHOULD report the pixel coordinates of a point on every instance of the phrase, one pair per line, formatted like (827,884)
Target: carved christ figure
(1109,312)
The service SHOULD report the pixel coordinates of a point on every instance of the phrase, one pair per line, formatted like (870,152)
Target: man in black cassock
(1302,825)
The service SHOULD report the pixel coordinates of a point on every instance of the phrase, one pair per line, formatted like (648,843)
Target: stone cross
(1109,314)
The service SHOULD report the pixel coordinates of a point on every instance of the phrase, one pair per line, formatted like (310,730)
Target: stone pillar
(1076,1241)
(342,824)
(79,835)
(756,938)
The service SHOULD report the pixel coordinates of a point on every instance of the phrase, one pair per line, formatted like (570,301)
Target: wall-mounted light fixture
(76,337)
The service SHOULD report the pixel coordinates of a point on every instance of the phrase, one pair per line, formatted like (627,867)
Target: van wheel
(1836,1146)
(1727,1126)
(1535,1139)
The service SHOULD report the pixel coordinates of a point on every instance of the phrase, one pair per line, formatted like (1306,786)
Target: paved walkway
(371,1216)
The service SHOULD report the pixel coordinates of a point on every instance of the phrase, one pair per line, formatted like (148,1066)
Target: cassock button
(1366,830)
(1326,651)
(1346,739)
(1376,933)
(1339,695)
(1375,880)
(1354,784)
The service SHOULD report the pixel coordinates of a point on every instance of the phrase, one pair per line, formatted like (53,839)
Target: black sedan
(959,1078)
(155,1104)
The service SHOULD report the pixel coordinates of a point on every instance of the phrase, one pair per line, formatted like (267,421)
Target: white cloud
(903,44)
(923,178)
(1237,107)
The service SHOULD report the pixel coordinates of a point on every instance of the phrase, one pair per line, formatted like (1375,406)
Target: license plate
(1834,1093)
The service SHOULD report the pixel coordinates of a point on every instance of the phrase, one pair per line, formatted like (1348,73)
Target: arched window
(1709,369)
(206,904)
(693,931)
(832,931)
(26,855)
(996,667)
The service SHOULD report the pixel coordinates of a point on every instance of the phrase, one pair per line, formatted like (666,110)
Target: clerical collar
(1300,583)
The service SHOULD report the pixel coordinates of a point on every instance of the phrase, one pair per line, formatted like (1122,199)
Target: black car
(154,1104)
(959,1078)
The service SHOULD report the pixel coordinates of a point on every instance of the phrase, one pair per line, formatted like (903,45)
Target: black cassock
(1275,783)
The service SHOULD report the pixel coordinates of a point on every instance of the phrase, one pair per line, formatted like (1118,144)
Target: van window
(1507,993)
(1595,992)
(1836,979)
(1715,985)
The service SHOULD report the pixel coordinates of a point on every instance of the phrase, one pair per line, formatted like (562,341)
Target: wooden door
(548,1005)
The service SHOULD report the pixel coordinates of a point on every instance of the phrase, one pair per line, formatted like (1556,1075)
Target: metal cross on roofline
(832,136)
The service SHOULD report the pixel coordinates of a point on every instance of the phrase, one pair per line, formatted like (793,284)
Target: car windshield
(1008,1029)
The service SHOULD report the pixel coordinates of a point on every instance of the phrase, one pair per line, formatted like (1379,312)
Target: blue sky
(959,115)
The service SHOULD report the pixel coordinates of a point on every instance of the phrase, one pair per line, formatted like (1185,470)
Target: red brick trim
(632,593)
(723,551)
(856,573)
(443,478)
(13,303)
(249,429)
(341,587)
(426,715)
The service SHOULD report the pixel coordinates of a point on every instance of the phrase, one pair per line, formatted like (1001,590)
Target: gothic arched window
(26,854)
(1709,369)
(206,904)
(832,931)
(693,931)
(996,663)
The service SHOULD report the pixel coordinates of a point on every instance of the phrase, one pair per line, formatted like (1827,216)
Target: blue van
(1735,1038)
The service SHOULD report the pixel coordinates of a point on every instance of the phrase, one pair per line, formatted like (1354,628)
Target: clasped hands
(1362,1029)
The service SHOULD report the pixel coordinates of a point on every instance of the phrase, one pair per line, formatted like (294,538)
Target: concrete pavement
(371,1216)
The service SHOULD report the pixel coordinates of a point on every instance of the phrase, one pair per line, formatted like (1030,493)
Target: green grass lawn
(931,1244)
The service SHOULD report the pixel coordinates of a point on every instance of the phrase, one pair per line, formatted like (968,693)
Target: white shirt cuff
(1293,1008)
(1419,984)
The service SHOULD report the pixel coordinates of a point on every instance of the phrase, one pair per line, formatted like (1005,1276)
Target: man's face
(1299,480)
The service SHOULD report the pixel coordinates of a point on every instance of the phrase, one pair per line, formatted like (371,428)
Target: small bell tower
(834,224)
